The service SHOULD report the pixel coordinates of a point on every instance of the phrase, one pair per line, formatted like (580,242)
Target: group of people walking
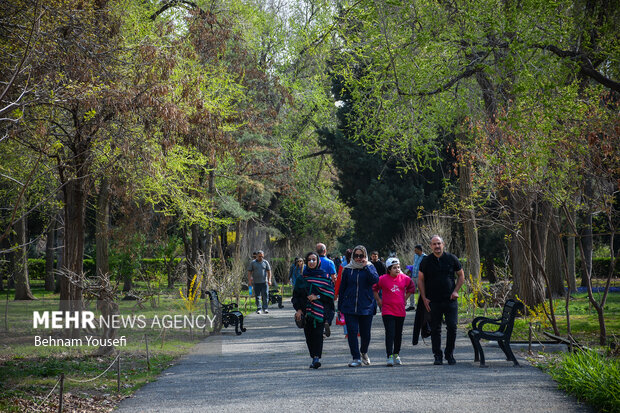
(359,289)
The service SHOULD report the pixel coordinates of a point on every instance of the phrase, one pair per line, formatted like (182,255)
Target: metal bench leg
(241,323)
(501,345)
(509,354)
(236,322)
(476,340)
(471,338)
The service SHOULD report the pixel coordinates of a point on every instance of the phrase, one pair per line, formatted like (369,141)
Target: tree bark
(11,262)
(586,245)
(102,229)
(209,244)
(570,257)
(50,255)
(554,264)
(586,237)
(71,297)
(22,281)
(191,243)
(238,240)
(528,285)
(60,248)
(472,251)
(108,309)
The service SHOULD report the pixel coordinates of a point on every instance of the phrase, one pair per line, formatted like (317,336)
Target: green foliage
(590,377)
(380,193)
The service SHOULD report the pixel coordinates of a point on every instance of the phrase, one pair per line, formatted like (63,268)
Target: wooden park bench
(501,333)
(226,314)
(276,298)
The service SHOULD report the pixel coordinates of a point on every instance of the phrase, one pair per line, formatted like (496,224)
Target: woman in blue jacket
(357,302)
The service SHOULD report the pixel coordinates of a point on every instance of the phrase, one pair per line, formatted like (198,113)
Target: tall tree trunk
(71,297)
(191,243)
(209,244)
(586,245)
(527,283)
(102,229)
(194,252)
(220,251)
(11,261)
(238,240)
(224,235)
(128,275)
(554,264)
(472,251)
(105,300)
(60,248)
(22,281)
(570,257)
(6,266)
(586,237)
(50,255)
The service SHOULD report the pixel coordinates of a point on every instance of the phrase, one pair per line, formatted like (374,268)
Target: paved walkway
(266,370)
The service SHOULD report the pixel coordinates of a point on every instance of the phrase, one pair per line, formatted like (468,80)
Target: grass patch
(583,317)
(28,372)
(590,377)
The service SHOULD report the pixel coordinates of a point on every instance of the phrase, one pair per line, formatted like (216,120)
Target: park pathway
(266,370)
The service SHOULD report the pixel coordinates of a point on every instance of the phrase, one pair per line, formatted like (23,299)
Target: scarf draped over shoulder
(319,283)
(354,264)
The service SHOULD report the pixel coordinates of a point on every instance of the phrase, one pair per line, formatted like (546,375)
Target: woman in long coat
(357,302)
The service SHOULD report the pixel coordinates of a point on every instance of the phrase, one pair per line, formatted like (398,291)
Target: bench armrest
(230,307)
(477,322)
(483,322)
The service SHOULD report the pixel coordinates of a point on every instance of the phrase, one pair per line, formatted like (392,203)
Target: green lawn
(28,373)
(583,318)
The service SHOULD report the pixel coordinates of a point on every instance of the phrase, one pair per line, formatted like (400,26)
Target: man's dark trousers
(439,309)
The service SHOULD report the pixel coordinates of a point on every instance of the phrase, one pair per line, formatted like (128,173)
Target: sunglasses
(358,255)
(311,260)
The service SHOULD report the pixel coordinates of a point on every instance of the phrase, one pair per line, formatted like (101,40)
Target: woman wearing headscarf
(357,302)
(296,271)
(312,294)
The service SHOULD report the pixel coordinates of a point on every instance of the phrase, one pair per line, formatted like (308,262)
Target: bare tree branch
(312,155)
(585,64)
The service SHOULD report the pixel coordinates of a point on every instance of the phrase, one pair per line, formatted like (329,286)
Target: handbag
(301,322)
(340,320)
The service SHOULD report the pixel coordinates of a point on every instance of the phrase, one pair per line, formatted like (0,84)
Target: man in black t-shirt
(376,261)
(440,292)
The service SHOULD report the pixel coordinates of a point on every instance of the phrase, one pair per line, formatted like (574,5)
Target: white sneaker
(390,361)
(259,311)
(355,363)
(365,359)
(266,311)
(397,361)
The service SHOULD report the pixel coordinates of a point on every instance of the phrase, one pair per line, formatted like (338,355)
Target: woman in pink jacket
(395,288)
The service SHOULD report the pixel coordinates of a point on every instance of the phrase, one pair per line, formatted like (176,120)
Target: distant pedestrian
(396,288)
(376,261)
(357,302)
(440,292)
(259,276)
(330,269)
(418,254)
(347,258)
(296,271)
(311,296)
